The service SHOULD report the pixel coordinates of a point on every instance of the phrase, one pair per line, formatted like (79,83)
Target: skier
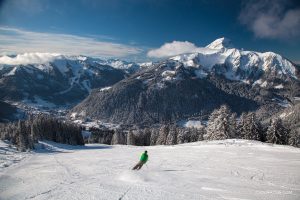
(143,160)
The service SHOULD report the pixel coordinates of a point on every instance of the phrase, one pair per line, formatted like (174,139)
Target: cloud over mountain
(28,58)
(173,48)
(15,41)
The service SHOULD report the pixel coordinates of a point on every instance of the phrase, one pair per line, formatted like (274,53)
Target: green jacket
(144,157)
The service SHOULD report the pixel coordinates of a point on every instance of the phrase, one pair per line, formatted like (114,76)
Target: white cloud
(15,41)
(173,48)
(29,58)
(271,19)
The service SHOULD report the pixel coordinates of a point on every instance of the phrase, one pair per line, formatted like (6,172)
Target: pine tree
(201,133)
(219,124)
(22,144)
(294,138)
(163,133)
(147,136)
(180,136)
(154,136)
(172,136)
(277,133)
(241,126)
(233,126)
(130,138)
(250,128)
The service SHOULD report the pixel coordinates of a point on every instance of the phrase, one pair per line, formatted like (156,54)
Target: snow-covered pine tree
(277,133)
(139,137)
(118,137)
(172,136)
(211,125)
(241,126)
(219,124)
(251,128)
(180,136)
(233,125)
(163,133)
(201,133)
(194,134)
(147,136)
(154,136)
(23,142)
(130,138)
(294,138)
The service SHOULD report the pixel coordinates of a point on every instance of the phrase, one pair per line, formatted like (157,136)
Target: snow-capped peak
(220,43)
(236,64)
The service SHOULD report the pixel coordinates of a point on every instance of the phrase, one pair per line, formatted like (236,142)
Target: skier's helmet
(146,152)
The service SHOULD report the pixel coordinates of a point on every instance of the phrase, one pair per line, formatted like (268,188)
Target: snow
(191,124)
(85,134)
(86,84)
(39,103)
(168,73)
(284,115)
(73,115)
(230,169)
(9,155)
(264,84)
(279,86)
(200,73)
(12,72)
(105,88)
(284,103)
(220,43)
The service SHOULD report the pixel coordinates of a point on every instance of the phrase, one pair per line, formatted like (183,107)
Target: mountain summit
(220,43)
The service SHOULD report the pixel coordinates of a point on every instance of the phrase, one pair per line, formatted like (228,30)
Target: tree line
(222,124)
(25,133)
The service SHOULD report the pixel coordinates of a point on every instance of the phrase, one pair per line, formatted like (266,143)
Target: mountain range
(62,81)
(182,87)
(192,85)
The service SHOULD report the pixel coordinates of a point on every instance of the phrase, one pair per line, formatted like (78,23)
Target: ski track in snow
(231,169)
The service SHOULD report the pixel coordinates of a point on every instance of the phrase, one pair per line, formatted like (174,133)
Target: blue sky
(130,28)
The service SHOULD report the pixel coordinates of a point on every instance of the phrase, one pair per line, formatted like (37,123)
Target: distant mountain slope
(63,80)
(192,85)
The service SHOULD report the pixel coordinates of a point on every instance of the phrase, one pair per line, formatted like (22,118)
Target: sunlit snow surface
(231,169)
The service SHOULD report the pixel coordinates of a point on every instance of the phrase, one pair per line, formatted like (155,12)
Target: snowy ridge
(240,65)
(45,61)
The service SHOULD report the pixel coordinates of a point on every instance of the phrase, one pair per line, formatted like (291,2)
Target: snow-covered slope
(232,169)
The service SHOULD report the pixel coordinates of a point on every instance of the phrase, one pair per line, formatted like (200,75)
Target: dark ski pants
(138,166)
